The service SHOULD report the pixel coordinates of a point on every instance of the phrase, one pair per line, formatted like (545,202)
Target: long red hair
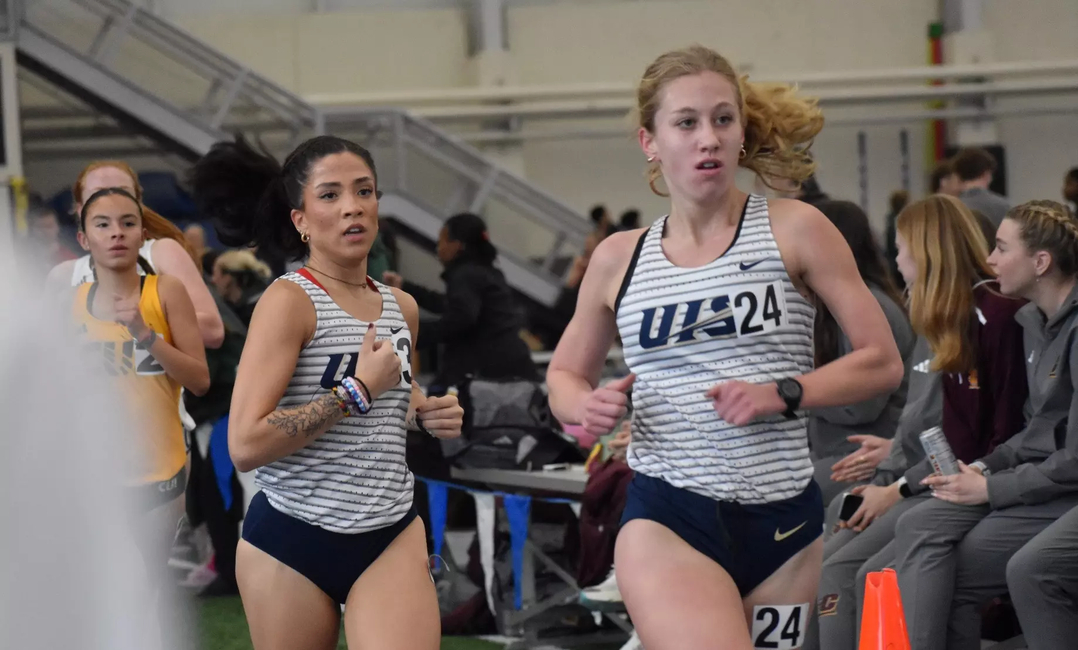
(157,227)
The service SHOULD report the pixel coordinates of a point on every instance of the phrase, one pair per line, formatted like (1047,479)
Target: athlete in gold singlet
(144,333)
(149,392)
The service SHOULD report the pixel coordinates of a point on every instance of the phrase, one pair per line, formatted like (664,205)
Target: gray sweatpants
(952,559)
(848,557)
(1043,580)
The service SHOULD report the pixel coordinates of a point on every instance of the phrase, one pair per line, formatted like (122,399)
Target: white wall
(1032,31)
(596,42)
(612,170)
(772,37)
(399,46)
(614,41)
(334,52)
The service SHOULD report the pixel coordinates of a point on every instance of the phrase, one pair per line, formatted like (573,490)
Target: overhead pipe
(539,135)
(619,107)
(50,148)
(344,102)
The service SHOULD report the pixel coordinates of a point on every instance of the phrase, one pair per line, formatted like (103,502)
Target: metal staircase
(131,64)
(427,175)
(140,69)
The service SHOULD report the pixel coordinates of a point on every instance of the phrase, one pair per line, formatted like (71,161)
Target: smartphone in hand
(850,504)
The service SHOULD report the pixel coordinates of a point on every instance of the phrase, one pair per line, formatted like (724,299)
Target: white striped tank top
(683,331)
(353,478)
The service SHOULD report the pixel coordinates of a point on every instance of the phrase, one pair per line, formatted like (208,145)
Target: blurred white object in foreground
(70,575)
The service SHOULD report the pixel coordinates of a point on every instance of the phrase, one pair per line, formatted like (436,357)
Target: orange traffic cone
(883,624)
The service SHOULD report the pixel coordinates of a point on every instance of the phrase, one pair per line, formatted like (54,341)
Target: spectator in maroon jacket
(955,303)
(977,347)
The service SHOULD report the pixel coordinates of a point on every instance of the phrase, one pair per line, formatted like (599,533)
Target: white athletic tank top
(83,272)
(354,477)
(685,330)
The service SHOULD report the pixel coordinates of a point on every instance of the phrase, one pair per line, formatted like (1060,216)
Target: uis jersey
(149,393)
(353,478)
(683,330)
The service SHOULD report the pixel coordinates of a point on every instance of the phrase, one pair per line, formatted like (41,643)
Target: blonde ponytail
(779,124)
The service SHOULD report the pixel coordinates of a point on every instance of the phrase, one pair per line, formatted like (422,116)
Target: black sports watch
(790,391)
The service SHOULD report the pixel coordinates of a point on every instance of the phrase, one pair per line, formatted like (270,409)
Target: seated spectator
(976,347)
(869,426)
(1042,578)
(952,551)
(975,168)
(479,320)
(240,278)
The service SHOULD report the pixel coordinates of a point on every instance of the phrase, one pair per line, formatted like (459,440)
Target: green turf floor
(225,628)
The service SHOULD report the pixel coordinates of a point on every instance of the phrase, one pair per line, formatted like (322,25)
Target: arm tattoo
(309,419)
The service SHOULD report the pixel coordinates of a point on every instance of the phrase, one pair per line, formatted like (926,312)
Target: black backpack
(508,425)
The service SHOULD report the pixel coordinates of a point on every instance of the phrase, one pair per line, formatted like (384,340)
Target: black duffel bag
(508,425)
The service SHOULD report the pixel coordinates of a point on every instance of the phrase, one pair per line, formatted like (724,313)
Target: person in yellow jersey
(143,332)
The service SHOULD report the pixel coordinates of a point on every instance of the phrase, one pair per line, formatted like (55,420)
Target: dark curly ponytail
(250,197)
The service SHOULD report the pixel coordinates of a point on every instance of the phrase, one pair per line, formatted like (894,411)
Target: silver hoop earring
(651,159)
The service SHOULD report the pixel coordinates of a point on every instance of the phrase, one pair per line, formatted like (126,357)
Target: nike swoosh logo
(781,536)
(745,266)
(394,331)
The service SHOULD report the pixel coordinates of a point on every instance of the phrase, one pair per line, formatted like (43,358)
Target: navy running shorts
(749,541)
(332,561)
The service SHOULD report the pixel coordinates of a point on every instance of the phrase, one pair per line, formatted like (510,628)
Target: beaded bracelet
(342,403)
(366,390)
(350,394)
(352,386)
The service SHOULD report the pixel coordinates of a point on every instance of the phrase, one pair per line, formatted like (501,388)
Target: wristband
(348,396)
(354,397)
(419,425)
(147,342)
(370,398)
(352,386)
